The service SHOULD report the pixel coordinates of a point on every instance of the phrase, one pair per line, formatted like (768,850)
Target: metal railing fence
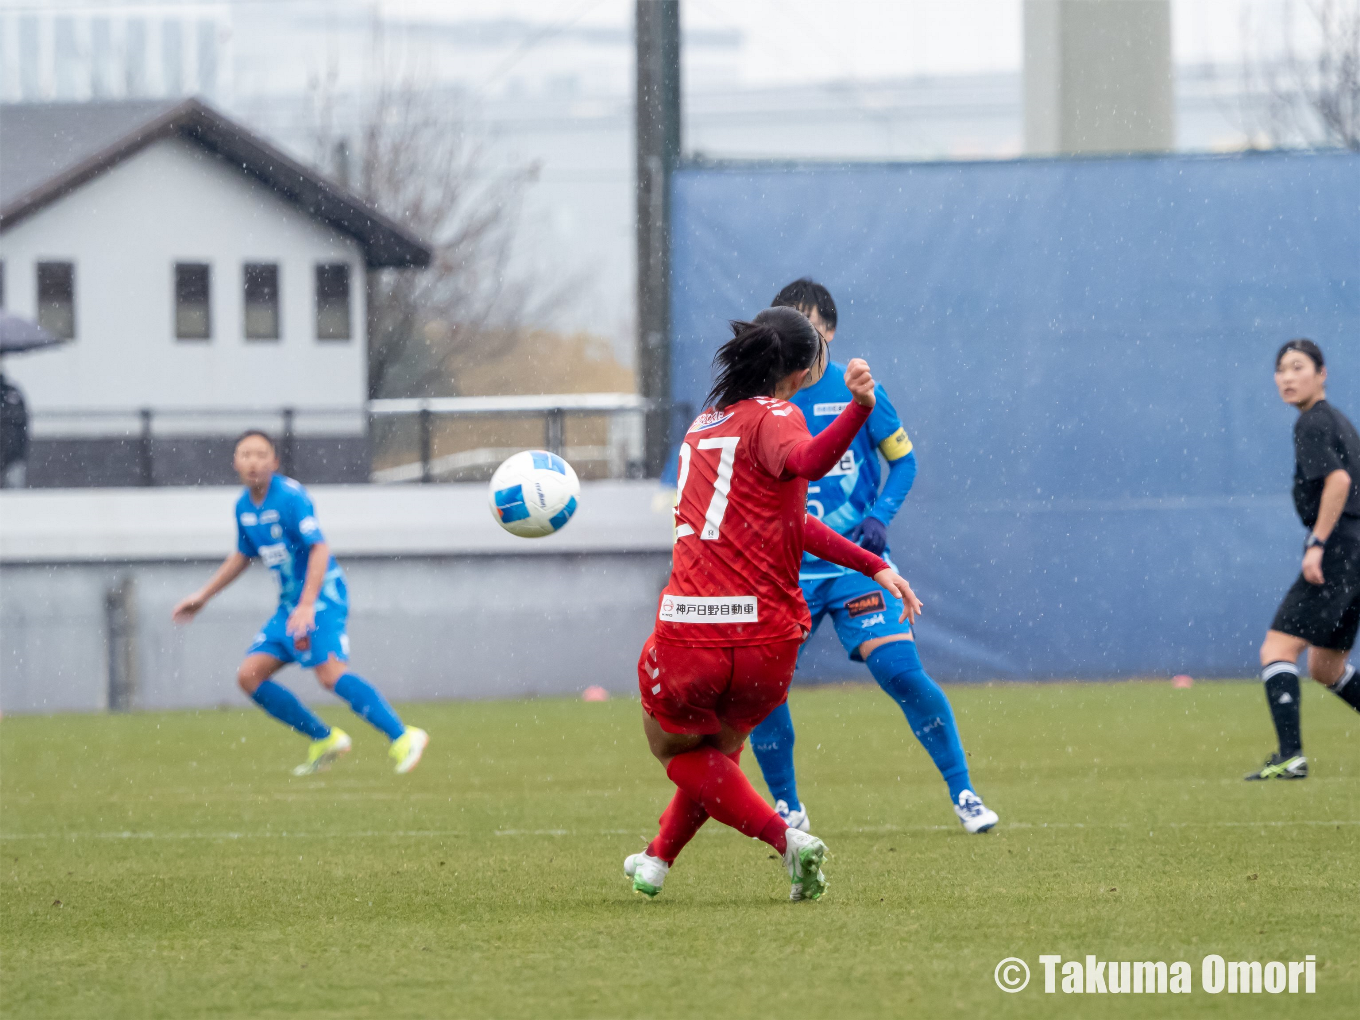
(454,437)
(623,449)
(140,434)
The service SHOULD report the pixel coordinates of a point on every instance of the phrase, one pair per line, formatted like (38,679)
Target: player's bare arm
(302,619)
(1336,490)
(232,567)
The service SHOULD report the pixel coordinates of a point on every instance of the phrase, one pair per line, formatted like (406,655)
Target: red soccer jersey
(739,530)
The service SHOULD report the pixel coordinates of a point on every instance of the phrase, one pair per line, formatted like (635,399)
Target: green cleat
(407,749)
(321,754)
(1279,767)
(803,858)
(648,874)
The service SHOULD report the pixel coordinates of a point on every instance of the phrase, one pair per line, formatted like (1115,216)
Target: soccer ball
(534,494)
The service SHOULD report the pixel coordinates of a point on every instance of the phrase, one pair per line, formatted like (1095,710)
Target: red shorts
(692,689)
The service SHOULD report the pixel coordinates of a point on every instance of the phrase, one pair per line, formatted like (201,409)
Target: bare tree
(1309,94)
(415,154)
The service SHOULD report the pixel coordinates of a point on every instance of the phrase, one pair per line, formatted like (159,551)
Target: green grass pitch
(168,865)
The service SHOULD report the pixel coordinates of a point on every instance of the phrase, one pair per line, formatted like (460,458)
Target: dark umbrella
(18,335)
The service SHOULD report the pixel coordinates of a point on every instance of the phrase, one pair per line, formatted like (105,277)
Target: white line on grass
(450,833)
(423,833)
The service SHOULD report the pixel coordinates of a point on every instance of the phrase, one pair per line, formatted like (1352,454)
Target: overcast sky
(790,40)
(803,40)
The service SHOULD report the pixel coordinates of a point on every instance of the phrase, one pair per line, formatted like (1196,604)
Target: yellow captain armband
(896,446)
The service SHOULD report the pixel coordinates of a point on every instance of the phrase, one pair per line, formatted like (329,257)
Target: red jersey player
(731,619)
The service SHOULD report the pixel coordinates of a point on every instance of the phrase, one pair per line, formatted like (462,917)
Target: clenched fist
(860,382)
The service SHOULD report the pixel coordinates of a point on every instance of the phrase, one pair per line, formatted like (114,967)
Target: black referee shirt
(1325,441)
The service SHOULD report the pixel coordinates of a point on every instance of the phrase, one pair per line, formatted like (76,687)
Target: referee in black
(1321,611)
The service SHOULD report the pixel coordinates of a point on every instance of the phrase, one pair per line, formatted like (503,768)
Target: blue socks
(369,705)
(284,706)
(772,742)
(897,668)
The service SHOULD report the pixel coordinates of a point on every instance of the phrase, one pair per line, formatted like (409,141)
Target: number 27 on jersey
(722,485)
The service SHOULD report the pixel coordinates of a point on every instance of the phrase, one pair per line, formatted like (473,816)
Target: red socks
(775,833)
(679,822)
(714,784)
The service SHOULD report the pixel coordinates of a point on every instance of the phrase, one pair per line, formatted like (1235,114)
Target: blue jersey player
(275,523)
(849,500)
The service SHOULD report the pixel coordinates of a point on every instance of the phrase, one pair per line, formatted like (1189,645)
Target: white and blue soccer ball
(534,493)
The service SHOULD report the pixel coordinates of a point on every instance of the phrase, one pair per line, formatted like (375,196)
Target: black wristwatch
(1314,541)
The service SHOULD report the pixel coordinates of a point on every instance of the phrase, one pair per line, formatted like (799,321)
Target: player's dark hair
(1303,346)
(256,432)
(806,293)
(762,352)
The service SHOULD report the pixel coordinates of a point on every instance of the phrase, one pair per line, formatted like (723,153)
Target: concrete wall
(125,230)
(1098,77)
(444,603)
(422,628)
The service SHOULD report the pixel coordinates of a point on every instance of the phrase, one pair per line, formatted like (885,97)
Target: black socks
(1347,688)
(1282,693)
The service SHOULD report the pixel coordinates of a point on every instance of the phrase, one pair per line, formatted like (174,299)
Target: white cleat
(795,819)
(803,857)
(648,873)
(975,815)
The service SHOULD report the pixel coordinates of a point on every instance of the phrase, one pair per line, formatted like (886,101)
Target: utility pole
(657,32)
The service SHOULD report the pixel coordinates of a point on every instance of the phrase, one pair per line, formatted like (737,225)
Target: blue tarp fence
(1081,351)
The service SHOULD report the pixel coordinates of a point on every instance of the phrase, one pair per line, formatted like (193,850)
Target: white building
(199,274)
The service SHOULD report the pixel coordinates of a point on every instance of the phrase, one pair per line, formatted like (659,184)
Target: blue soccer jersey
(281,531)
(846,495)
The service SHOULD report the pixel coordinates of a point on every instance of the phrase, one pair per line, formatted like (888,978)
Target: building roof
(50,149)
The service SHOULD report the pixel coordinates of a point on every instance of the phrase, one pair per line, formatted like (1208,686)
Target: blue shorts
(860,609)
(328,639)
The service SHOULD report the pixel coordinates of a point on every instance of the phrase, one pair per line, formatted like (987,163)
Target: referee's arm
(1335,491)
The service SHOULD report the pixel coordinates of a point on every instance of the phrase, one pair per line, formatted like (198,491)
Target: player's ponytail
(761,352)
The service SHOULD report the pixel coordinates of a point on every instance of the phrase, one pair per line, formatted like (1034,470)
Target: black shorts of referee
(1327,615)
